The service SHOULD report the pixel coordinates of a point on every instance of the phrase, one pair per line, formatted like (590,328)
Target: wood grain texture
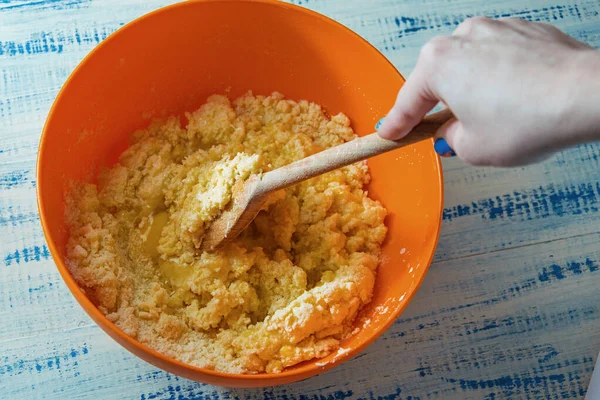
(510,306)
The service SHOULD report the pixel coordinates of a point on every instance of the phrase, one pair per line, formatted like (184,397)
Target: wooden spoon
(249,196)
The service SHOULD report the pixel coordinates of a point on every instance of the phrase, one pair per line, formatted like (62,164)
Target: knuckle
(474,25)
(515,20)
(435,48)
(480,20)
(465,26)
(476,22)
(405,116)
(548,27)
(400,117)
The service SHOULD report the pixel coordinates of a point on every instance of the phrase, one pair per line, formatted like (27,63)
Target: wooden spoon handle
(348,153)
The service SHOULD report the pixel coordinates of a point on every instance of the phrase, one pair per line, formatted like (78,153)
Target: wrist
(582,98)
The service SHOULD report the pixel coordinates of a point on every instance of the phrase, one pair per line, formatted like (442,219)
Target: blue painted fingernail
(379,123)
(443,148)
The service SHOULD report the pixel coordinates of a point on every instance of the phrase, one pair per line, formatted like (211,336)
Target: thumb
(446,138)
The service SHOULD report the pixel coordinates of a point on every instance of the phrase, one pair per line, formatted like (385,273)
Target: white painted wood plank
(493,209)
(519,325)
(499,316)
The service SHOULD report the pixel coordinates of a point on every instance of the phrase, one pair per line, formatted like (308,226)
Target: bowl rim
(168,363)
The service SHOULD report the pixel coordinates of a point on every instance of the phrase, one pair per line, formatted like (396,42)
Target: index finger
(416,98)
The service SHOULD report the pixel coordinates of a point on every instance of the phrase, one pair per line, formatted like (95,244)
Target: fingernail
(379,123)
(442,147)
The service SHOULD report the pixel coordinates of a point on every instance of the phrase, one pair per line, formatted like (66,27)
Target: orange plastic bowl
(170,61)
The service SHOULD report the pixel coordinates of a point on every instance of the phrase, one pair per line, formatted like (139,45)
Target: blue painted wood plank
(513,330)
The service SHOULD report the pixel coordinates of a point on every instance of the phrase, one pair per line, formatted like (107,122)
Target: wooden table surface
(509,309)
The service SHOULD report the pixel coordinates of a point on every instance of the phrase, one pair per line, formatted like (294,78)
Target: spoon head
(245,204)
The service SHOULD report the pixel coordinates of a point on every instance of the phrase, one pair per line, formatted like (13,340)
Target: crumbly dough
(287,290)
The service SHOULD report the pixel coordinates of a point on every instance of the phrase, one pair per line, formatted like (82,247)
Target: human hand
(519,90)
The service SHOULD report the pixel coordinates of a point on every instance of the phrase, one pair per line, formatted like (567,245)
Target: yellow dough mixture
(287,290)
